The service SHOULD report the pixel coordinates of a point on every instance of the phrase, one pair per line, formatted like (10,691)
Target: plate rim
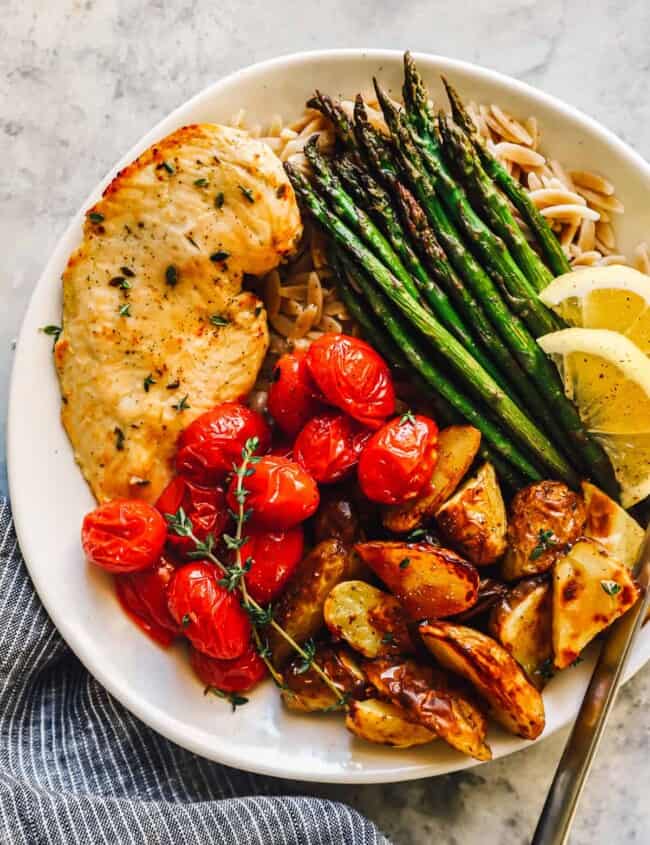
(165,725)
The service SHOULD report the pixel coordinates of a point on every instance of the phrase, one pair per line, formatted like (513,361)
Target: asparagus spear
(335,114)
(548,243)
(480,382)
(355,217)
(492,203)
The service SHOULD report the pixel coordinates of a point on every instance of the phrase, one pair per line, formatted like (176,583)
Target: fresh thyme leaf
(96,217)
(577,661)
(168,167)
(259,616)
(124,310)
(192,241)
(128,272)
(545,541)
(233,543)
(182,404)
(119,438)
(219,321)
(186,620)
(546,669)
(219,255)
(201,183)
(416,534)
(179,523)
(258,310)
(234,698)
(120,282)
(264,650)
(305,663)
(407,416)
(52,331)
(171,276)
(403,564)
(219,200)
(247,193)
(148,382)
(173,385)
(388,638)
(612,588)
(234,575)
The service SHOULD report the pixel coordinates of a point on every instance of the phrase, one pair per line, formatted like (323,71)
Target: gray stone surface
(80,82)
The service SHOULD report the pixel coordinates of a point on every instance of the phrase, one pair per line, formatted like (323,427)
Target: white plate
(50,497)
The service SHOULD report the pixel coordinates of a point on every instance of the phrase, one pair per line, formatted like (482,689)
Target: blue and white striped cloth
(76,767)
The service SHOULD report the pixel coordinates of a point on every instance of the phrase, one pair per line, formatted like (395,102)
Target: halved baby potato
(521,622)
(428,581)
(514,702)
(457,448)
(590,590)
(385,723)
(306,691)
(612,526)
(473,520)
(370,620)
(432,700)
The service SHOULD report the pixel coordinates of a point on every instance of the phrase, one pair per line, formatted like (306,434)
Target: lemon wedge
(608,377)
(613,297)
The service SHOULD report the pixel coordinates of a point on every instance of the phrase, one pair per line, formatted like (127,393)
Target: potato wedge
(385,723)
(457,448)
(371,621)
(307,692)
(613,527)
(300,609)
(514,702)
(544,519)
(473,520)
(337,517)
(590,590)
(429,581)
(490,592)
(430,699)
(521,622)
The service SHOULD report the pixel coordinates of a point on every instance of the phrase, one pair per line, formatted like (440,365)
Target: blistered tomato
(238,675)
(143,595)
(274,556)
(209,616)
(209,446)
(330,445)
(280,494)
(204,506)
(123,536)
(353,377)
(293,396)
(399,459)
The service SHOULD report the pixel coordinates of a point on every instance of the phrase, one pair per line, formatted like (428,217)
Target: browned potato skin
(521,622)
(514,702)
(308,693)
(300,608)
(543,506)
(386,723)
(490,592)
(474,519)
(337,517)
(436,582)
(431,700)
(457,448)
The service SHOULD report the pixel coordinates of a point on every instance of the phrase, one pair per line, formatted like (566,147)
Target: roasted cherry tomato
(280,494)
(236,675)
(282,449)
(143,595)
(204,506)
(293,396)
(353,377)
(329,446)
(274,555)
(210,445)
(123,536)
(211,618)
(399,459)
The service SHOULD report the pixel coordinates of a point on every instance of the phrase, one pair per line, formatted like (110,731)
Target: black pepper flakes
(219,200)
(219,255)
(119,439)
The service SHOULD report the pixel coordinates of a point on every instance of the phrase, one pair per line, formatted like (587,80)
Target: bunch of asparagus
(433,265)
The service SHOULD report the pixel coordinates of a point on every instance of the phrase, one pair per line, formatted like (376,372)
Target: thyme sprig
(260,616)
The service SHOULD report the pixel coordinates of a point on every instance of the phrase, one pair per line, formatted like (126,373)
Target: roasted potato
(514,702)
(337,518)
(521,622)
(490,592)
(457,448)
(613,527)
(544,519)
(300,608)
(370,620)
(473,521)
(385,723)
(428,581)
(430,699)
(590,590)
(306,691)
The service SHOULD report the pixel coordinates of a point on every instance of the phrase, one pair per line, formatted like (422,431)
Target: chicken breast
(156,328)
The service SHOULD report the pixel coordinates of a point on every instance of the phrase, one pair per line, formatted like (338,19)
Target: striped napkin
(76,767)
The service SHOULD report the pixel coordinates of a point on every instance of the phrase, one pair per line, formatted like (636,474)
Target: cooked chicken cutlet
(156,328)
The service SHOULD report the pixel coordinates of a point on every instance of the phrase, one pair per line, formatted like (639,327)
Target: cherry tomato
(204,506)
(293,396)
(210,445)
(282,449)
(236,675)
(329,446)
(123,535)
(275,556)
(399,459)
(353,377)
(210,617)
(143,595)
(280,493)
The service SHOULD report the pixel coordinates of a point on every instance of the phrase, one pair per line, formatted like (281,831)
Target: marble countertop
(81,81)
